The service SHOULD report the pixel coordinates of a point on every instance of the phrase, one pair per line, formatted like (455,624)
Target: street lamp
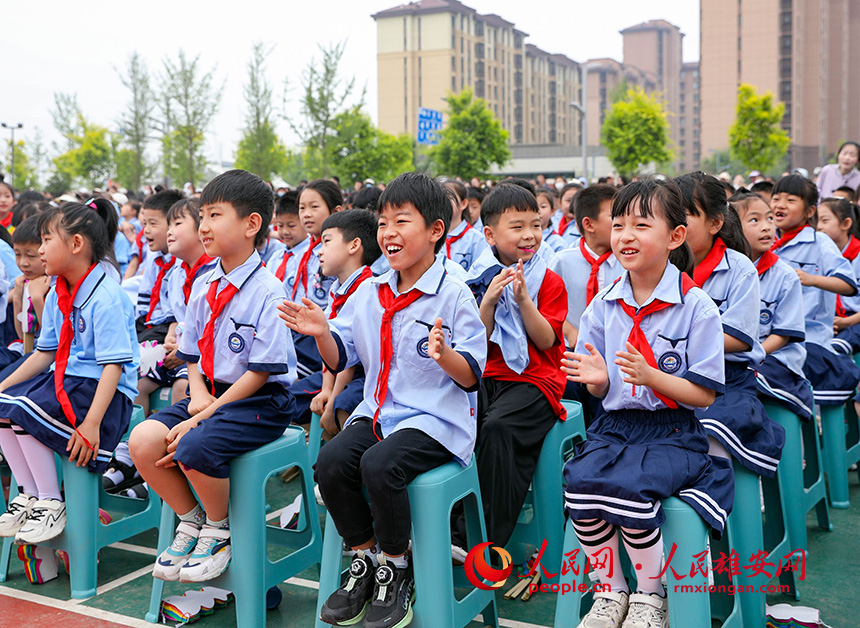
(583,119)
(12,128)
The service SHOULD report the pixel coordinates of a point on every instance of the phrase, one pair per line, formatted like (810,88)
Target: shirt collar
(341,289)
(88,287)
(239,275)
(429,283)
(668,289)
(807,234)
(301,246)
(459,228)
(611,260)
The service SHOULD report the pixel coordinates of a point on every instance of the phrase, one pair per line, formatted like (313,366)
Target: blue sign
(429,123)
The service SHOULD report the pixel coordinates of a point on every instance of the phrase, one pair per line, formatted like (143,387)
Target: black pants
(355,459)
(150,332)
(513,420)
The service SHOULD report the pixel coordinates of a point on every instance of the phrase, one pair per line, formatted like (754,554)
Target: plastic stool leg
(165,536)
(790,473)
(330,568)
(568,606)
(833,435)
(687,531)
(249,561)
(748,540)
(8,542)
(82,521)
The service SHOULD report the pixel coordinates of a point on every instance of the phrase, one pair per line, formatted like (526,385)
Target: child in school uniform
(463,244)
(523,306)
(781,326)
(295,239)
(823,273)
(74,395)
(567,227)
(349,247)
(547,200)
(241,362)
(646,347)
(476,197)
(736,422)
(418,334)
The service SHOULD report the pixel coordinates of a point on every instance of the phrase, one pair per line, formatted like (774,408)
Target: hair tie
(92,203)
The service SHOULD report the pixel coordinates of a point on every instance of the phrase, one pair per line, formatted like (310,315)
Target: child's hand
(197,403)
(173,437)
(521,293)
(77,448)
(840,323)
(127,229)
(17,291)
(39,287)
(586,369)
(329,423)
(170,360)
(633,365)
(308,318)
(436,346)
(806,279)
(320,401)
(170,342)
(494,290)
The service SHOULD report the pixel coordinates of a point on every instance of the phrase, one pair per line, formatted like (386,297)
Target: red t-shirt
(544,369)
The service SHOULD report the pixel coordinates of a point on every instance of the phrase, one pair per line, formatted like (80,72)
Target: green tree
(260,150)
(473,141)
(65,116)
(135,124)
(636,132)
(90,160)
(24,175)
(756,138)
(358,149)
(189,101)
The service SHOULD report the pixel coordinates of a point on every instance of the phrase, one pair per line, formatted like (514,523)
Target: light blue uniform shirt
(7,256)
(249,335)
(816,254)
(176,281)
(571,235)
(381,266)
(319,287)
(781,314)
(686,339)
(103,317)
(292,264)
(734,287)
(420,394)
(852,304)
(338,289)
(571,266)
(162,313)
(122,252)
(553,240)
(273,248)
(469,247)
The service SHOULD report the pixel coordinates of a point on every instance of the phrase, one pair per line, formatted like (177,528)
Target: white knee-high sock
(16,459)
(599,540)
(645,549)
(121,453)
(40,459)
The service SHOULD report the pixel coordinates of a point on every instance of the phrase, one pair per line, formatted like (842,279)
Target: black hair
(842,209)
(458,188)
(762,186)
(28,232)
(24,210)
(520,182)
(247,193)
(742,199)
(475,193)
(135,205)
(587,202)
(849,143)
(425,193)
(287,204)
(573,185)
(90,222)
(849,189)
(550,193)
(331,193)
(601,180)
(665,195)
(186,208)
(704,193)
(799,186)
(30,196)
(335,179)
(367,198)
(361,224)
(504,197)
(163,201)
(8,185)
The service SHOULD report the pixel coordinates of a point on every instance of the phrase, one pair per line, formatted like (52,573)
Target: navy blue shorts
(234,429)
(778,382)
(166,377)
(833,376)
(308,360)
(847,341)
(33,405)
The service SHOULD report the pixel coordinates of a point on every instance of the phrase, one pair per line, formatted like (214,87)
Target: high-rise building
(688,149)
(801,51)
(605,77)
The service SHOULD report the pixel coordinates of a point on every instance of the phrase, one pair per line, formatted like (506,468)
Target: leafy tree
(24,176)
(756,138)
(136,124)
(65,116)
(90,159)
(39,157)
(260,150)
(636,132)
(473,141)
(189,101)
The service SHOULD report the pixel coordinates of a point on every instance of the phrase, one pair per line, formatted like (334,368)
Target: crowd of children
(666,307)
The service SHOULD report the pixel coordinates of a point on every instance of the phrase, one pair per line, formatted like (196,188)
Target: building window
(405,94)
(419,33)
(682,109)
(404,34)
(683,120)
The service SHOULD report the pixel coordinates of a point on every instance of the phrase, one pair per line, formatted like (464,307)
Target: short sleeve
(192,327)
(834,265)
(705,357)
(469,336)
(341,328)
(741,317)
(113,345)
(552,303)
(788,319)
(272,341)
(49,334)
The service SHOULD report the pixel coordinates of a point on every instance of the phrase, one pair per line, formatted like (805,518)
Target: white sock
(195,516)
(398,561)
(122,454)
(645,549)
(40,459)
(223,524)
(16,460)
(599,540)
(372,553)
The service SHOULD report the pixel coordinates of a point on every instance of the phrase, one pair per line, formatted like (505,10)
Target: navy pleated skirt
(833,376)
(778,382)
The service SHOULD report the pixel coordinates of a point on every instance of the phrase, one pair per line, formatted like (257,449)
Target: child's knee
(378,469)
(147,441)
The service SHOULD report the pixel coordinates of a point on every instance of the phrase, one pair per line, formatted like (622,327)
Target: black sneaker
(393,595)
(348,605)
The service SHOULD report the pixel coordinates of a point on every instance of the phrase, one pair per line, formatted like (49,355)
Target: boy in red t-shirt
(523,306)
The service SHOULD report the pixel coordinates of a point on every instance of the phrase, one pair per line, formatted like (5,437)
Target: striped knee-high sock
(645,549)
(599,540)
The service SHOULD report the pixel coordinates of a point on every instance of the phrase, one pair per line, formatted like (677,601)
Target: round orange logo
(477,568)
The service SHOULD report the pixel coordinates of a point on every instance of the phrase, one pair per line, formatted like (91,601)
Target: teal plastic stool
(542,517)
(85,535)
(841,449)
(251,572)
(160,399)
(685,528)
(432,495)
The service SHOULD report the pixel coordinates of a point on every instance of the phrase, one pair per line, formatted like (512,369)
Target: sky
(60,46)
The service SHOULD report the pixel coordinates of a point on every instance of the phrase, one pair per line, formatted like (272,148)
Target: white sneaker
(210,558)
(46,521)
(16,514)
(608,610)
(458,555)
(168,564)
(647,611)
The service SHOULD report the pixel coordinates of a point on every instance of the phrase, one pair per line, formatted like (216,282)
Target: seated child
(476,197)
(349,247)
(240,361)
(74,395)
(416,414)
(523,305)
(648,444)
(294,238)
(547,200)
(463,244)
(567,227)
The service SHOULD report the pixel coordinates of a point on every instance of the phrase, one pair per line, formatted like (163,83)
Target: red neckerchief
(703,271)
(592,287)
(302,274)
(637,336)
(563,224)
(282,269)
(139,241)
(191,273)
(337,300)
(850,253)
(766,262)
(155,296)
(451,239)
(7,221)
(65,302)
(217,302)
(390,306)
(787,237)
